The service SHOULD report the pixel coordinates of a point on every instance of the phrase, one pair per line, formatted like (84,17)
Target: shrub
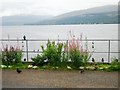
(115,65)
(39,60)
(64,56)
(53,53)
(73,50)
(78,55)
(11,54)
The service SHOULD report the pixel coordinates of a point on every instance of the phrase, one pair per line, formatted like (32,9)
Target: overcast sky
(48,7)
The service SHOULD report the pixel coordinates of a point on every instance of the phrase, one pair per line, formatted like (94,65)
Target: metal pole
(67,49)
(27,49)
(109,51)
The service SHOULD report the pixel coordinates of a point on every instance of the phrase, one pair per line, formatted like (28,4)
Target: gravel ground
(59,79)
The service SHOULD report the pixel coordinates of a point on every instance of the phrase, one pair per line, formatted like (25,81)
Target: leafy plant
(53,53)
(78,55)
(115,64)
(11,54)
(39,60)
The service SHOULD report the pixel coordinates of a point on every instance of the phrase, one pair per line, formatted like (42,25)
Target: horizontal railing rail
(27,51)
(58,39)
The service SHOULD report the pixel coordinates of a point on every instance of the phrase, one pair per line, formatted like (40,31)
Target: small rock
(56,67)
(68,67)
(9,66)
(3,66)
(35,67)
(81,68)
(90,68)
(106,67)
(87,67)
(101,68)
(30,66)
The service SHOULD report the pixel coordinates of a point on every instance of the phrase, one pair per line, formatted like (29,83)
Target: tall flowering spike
(76,44)
(86,45)
(9,53)
(77,41)
(7,49)
(78,54)
(81,45)
(3,48)
(10,47)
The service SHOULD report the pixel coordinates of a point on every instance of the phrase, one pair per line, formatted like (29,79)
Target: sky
(48,7)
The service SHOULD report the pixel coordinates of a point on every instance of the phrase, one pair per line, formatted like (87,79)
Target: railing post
(27,49)
(67,48)
(109,51)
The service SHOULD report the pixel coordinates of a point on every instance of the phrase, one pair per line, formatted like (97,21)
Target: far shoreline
(61,24)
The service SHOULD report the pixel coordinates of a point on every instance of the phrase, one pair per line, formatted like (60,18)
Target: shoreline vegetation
(72,24)
(61,24)
(72,55)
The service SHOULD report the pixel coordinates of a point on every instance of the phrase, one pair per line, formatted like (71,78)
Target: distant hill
(22,19)
(99,15)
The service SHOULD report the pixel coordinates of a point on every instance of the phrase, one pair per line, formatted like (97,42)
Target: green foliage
(18,56)
(39,60)
(76,58)
(11,56)
(78,55)
(53,53)
(64,58)
(73,50)
(115,65)
(86,56)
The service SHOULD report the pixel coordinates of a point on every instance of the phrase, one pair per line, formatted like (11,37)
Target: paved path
(61,79)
